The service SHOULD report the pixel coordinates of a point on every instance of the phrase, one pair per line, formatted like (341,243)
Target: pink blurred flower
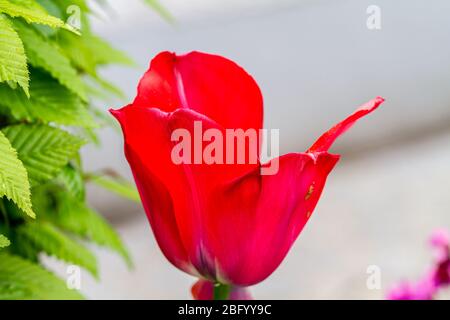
(435,279)
(440,241)
(405,290)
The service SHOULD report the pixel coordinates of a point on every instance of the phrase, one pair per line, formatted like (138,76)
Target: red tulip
(223,223)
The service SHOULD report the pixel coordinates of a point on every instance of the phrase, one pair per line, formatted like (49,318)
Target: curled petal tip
(372,104)
(327,139)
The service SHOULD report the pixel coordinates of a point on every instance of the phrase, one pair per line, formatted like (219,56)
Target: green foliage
(21,279)
(49,102)
(13,62)
(156,5)
(72,215)
(31,12)
(13,177)
(117,185)
(48,75)
(45,54)
(72,181)
(44,237)
(44,150)
(4,241)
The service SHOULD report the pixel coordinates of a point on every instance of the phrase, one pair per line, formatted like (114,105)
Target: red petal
(326,140)
(203,290)
(259,217)
(175,196)
(209,84)
(253,223)
(155,195)
(225,222)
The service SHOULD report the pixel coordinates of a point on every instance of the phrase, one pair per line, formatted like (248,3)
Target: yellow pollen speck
(310,191)
(308,214)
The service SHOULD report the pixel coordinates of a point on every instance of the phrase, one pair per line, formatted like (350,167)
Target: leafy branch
(48,75)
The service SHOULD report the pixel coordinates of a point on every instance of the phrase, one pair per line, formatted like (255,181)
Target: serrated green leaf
(115,184)
(46,238)
(13,61)
(44,150)
(53,9)
(75,216)
(21,279)
(49,102)
(73,182)
(45,54)
(4,241)
(32,12)
(14,183)
(13,212)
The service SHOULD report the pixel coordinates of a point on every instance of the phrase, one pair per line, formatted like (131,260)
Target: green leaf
(74,48)
(13,61)
(31,12)
(49,102)
(72,180)
(46,238)
(22,248)
(103,52)
(90,135)
(51,7)
(13,214)
(74,216)
(156,5)
(43,53)
(13,177)
(117,185)
(21,279)
(108,87)
(89,51)
(44,150)
(4,242)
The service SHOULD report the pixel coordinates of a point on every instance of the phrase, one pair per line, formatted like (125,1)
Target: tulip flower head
(225,222)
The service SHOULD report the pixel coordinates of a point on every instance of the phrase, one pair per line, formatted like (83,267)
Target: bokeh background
(315,61)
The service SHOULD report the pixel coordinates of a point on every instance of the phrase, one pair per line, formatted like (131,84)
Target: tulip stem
(221,291)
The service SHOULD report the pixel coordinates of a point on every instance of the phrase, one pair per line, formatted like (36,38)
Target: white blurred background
(315,61)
